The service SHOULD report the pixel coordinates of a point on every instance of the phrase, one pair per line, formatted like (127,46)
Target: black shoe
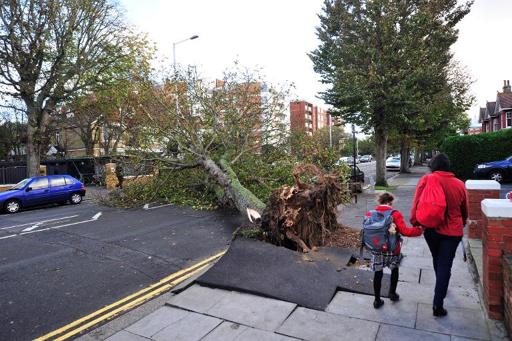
(394,297)
(378,303)
(439,311)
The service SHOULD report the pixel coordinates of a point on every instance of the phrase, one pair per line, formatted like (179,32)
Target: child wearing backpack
(385,247)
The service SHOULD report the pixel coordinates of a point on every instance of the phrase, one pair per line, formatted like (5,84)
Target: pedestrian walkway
(202,313)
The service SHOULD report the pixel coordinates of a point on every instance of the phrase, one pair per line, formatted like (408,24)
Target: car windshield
(20,184)
(509,158)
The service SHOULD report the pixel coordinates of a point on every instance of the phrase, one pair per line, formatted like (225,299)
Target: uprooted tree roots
(303,216)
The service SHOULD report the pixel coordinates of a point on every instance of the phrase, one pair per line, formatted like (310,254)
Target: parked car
(495,170)
(366,158)
(393,163)
(358,175)
(346,159)
(42,190)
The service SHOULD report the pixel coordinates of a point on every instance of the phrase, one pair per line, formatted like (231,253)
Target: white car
(393,163)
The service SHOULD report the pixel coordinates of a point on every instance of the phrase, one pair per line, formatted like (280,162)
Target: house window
(509,119)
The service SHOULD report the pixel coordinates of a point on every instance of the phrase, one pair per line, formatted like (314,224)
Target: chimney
(506,86)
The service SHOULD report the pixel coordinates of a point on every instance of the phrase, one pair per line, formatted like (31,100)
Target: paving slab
(458,278)
(460,297)
(393,333)
(226,331)
(257,335)
(198,298)
(401,313)
(308,324)
(406,275)
(123,335)
(459,322)
(254,311)
(156,321)
(417,262)
(190,328)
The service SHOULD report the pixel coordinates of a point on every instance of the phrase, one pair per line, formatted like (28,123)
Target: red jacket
(402,228)
(456,203)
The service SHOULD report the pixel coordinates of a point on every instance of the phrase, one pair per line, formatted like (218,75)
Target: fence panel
(12,175)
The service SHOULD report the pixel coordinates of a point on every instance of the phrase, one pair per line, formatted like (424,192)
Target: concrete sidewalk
(201,313)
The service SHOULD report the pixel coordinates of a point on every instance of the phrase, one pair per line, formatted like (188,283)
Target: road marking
(33,227)
(94,218)
(127,303)
(155,207)
(39,222)
(145,207)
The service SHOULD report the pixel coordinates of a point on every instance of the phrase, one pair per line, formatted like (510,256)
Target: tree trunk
(404,156)
(381,144)
(33,152)
(89,148)
(241,197)
(418,157)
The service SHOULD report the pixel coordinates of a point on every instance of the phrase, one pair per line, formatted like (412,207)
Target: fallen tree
(303,216)
(214,128)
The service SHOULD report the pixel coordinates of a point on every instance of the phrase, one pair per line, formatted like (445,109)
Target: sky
(276,35)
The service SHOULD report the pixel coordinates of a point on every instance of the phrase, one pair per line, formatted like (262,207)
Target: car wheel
(75,198)
(12,206)
(496,175)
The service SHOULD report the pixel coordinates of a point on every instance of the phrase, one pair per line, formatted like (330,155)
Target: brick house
(498,115)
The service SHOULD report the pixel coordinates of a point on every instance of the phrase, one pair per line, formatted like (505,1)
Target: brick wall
(496,240)
(475,221)
(507,290)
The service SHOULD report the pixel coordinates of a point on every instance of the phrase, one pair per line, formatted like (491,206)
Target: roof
(489,109)
(505,100)
(481,115)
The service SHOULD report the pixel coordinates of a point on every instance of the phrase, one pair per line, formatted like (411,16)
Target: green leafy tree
(53,49)
(369,57)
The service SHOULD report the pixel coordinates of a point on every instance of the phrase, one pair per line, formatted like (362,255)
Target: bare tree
(52,49)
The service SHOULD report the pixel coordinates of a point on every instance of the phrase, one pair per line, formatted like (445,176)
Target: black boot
(439,311)
(393,296)
(378,303)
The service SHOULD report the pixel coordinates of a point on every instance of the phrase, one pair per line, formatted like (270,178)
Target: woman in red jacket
(444,239)
(390,259)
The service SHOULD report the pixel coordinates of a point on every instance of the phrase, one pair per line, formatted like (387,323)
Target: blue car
(42,190)
(495,170)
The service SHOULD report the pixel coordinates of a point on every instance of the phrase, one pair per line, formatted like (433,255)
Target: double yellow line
(128,302)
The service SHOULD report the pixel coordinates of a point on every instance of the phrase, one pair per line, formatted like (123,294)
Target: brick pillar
(507,291)
(479,190)
(496,241)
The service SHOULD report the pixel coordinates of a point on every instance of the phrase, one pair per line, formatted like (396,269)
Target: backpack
(431,207)
(375,233)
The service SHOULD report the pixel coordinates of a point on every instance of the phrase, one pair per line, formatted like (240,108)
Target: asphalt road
(58,264)
(369,171)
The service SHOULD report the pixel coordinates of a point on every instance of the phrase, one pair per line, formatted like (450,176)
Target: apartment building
(308,117)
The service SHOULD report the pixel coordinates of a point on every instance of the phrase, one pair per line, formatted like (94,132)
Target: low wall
(479,190)
(507,288)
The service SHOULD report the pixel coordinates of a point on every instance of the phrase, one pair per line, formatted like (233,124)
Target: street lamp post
(354,149)
(174,65)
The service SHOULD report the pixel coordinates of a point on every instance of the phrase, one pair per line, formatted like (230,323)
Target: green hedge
(467,151)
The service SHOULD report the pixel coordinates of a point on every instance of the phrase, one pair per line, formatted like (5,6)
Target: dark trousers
(377,282)
(443,250)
